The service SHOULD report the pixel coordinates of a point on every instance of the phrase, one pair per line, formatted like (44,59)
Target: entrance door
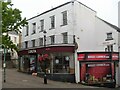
(33,63)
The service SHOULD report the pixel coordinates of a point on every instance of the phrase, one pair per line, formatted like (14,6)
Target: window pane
(109,35)
(41,42)
(52,39)
(64,17)
(65,38)
(52,21)
(42,25)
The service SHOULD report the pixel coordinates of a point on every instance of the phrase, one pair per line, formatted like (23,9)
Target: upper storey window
(109,36)
(41,25)
(27,28)
(34,28)
(64,18)
(52,22)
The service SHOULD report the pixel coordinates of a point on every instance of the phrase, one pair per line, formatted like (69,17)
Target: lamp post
(45,76)
(4,64)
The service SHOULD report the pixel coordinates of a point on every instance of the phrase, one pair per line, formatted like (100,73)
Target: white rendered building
(71,28)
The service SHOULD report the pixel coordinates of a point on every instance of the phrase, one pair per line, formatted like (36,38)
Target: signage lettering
(98,56)
(32,51)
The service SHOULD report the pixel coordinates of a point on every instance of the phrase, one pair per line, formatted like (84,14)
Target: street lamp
(4,64)
(45,76)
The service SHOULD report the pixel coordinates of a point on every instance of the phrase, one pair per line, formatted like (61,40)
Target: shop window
(42,64)
(61,64)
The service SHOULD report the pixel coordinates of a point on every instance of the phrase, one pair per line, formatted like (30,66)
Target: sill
(63,25)
(32,33)
(41,31)
(108,39)
(52,28)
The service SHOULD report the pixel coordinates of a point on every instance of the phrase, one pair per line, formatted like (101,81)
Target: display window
(61,63)
(96,72)
(97,67)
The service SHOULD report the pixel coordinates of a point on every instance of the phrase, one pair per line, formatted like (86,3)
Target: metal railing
(57,40)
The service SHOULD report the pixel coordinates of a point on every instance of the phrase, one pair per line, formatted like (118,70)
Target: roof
(50,10)
(72,1)
(113,26)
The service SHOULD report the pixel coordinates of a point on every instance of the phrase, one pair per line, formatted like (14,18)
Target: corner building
(63,33)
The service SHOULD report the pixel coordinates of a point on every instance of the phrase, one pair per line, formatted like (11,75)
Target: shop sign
(101,64)
(97,56)
(32,51)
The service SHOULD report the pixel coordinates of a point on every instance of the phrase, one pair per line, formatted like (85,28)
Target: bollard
(45,79)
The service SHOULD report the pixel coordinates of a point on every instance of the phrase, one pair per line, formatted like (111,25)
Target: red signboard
(97,56)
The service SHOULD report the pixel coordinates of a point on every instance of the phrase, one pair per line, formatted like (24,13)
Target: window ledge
(109,39)
(52,28)
(63,25)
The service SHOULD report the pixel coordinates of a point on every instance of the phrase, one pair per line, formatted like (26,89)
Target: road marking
(24,80)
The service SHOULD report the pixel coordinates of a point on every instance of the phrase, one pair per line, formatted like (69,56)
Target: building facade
(62,33)
(119,42)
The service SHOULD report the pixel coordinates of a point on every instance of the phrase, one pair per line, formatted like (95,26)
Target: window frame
(52,38)
(41,25)
(33,43)
(27,30)
(40,41)
(34,28)
(52,22)
(26,44)
(64,18)
(109,36)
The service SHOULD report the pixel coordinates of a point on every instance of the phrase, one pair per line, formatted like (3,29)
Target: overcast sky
(106,9)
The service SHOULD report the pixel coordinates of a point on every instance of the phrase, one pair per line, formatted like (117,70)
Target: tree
(11,21)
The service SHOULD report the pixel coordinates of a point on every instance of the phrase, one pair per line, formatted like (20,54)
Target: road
(16,79)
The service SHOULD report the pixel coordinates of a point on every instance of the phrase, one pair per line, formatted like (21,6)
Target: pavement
(15,79)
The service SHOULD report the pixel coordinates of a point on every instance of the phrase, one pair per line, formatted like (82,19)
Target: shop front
(59,63)
(98,68)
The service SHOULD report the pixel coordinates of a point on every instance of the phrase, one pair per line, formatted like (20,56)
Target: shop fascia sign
(99,56)
(32,51)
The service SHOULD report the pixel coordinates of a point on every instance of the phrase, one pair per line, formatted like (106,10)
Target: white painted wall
(101,30)
(84,27)
(58,22)
(90,31)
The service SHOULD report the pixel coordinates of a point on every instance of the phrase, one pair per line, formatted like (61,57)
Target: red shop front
(97,67)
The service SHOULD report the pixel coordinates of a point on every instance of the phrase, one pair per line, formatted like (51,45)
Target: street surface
(16,79)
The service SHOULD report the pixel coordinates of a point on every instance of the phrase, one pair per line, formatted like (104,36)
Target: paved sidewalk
(16,79)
